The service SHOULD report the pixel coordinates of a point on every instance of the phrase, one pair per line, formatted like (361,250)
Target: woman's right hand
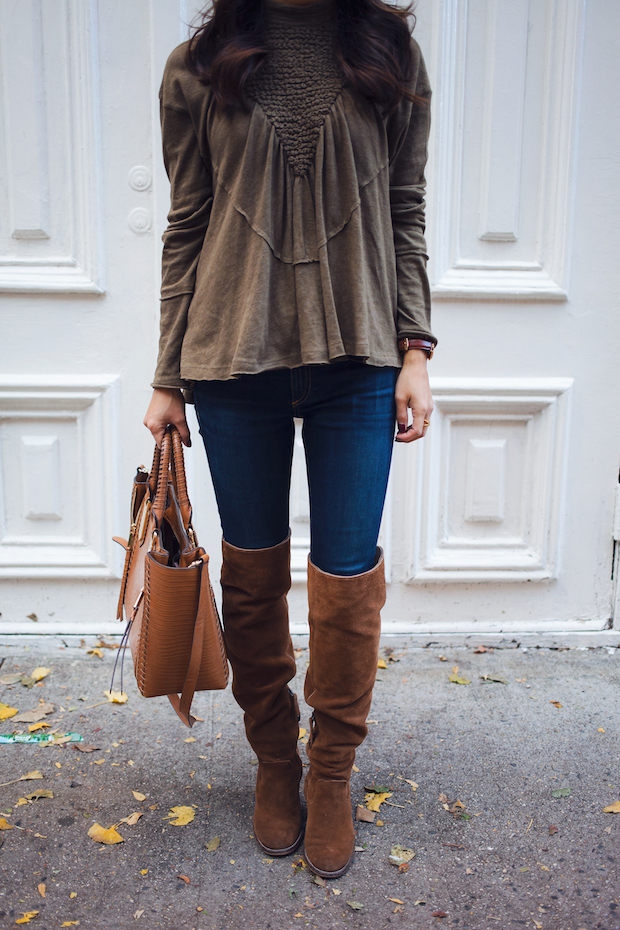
(167,406)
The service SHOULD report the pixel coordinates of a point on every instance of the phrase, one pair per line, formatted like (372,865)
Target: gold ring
(427,423)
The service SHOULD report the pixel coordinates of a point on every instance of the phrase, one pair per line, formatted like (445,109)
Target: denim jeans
(348,413)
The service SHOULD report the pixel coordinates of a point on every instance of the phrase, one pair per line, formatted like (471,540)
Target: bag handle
(179,477)
(161,492)
(182,704)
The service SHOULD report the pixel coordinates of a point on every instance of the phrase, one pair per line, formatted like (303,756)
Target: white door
(501,520)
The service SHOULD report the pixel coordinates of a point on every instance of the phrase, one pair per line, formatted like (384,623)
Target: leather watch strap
(405,343)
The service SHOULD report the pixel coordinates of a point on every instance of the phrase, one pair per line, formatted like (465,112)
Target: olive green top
(296,229)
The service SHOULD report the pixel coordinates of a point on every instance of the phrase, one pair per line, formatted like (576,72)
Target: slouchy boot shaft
(345,625)
(258,642)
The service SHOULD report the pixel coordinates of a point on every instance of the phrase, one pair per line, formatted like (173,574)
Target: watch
(405,343)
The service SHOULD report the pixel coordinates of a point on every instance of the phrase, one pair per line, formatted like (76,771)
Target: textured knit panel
(297,86)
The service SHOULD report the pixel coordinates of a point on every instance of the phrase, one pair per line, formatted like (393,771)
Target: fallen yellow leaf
(41,889)
(109,837)
(21,802)
(28,915)
(144,871)
(4,824)
(116,697)
(95,652)
(132,819)
(302,732)
(396,900)
(190,739)
(374,801)
(38,726)
(37,795)
(380,823)
(355,768)
(600,730)
(381,663)
(30,776)
(183,816)
(613,808)
(6,711)
(39,673)
(459,681)
(139,796)
(69,923)
(73,894)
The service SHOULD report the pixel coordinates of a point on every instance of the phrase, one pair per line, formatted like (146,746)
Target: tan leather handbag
(173,626)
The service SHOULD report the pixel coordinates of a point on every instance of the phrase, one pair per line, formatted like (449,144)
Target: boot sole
(282,852)
(322,872)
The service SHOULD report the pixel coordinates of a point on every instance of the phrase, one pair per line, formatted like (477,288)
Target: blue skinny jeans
(348,413)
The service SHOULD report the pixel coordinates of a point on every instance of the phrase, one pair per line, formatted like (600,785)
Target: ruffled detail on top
(297,214)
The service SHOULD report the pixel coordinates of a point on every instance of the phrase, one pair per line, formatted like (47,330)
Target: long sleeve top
(296,228)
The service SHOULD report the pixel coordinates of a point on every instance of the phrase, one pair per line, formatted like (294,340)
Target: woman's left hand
(413,390)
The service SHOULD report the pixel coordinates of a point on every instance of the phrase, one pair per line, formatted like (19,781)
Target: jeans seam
(304,397)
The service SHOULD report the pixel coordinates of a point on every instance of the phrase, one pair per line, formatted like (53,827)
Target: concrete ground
(512,856)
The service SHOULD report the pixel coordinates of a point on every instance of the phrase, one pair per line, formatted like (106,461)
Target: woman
(293,273)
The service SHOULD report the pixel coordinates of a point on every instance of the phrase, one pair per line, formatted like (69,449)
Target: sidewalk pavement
(506,853)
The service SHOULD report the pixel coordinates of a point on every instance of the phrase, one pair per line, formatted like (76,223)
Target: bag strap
(161,493)
(179,478)
(182,704)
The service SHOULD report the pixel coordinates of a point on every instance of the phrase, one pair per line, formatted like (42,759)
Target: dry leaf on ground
(139,796)
(561,792)
(6,711)
(355,905)
(84,747)
(69,923)
(375,800)
(365,815)
(459,681)
(214,844)
(399,855)
(95,652)
(182,816)
(185,879)
(556,704)
(36,714)
(439,914)
(414,785)
(27,777)
(116,697)
(381,663)
(40,673)
(27,917)
(41,889)
(613,808)
(4,824)
(498,678)
(41,725)
(37,795)
(109,837)
(132,819)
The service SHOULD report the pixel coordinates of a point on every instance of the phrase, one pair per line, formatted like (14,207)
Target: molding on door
(507,88)
(50,235)
(488,486)
(58,487)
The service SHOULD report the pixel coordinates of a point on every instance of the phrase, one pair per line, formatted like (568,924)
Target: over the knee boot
(255,583)
(345,626)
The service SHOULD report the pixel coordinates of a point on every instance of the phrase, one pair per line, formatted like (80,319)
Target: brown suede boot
(345,625)
(255,583)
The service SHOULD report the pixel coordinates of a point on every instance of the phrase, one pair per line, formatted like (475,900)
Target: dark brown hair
(373,48)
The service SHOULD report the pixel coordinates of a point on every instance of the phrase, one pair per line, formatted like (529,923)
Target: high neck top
(290,14)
